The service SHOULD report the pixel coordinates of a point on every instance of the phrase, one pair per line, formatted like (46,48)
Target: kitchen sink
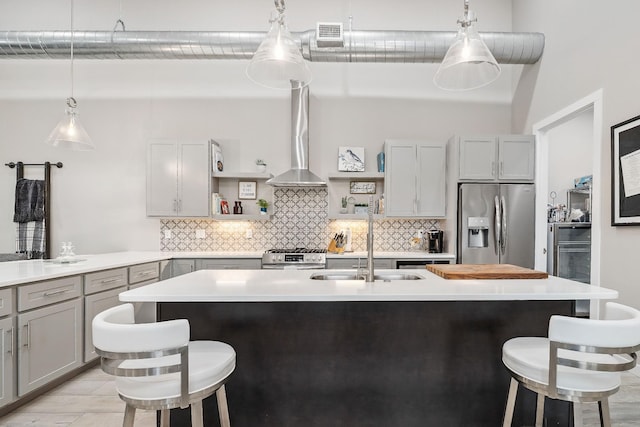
(385,277)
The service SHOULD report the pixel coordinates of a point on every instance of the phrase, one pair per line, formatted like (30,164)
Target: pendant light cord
(71,102)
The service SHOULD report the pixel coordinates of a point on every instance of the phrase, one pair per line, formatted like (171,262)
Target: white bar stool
(580,362)
(158,368)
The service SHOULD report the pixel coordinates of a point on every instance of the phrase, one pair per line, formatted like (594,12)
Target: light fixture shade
(278,60)
(468,63)
(70,133)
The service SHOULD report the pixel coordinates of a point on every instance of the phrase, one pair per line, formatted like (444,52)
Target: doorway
(585,118)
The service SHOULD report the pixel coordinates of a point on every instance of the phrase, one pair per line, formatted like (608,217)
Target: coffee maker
(434,240)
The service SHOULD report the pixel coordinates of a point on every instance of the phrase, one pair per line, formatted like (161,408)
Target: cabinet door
(432,165)
(228,264)
(516,156)
(162,178)
(400,179)
(49,343)
(178,178)
(94,304)
(182,266)
(193,179)
(7,352)
(477,158)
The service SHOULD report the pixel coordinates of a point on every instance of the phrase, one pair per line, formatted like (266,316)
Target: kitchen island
(310,352)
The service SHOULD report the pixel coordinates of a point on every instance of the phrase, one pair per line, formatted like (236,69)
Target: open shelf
(242,175)
(356,175)
(242,217)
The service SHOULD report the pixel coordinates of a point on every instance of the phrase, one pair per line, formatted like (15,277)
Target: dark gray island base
(377,364)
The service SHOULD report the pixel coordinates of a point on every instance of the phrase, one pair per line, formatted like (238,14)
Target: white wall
(589,45)
(570,154)
(98,198)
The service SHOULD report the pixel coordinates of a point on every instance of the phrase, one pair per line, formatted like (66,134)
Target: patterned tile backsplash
(300,219)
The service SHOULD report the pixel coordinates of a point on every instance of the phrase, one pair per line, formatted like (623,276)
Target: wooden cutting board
(484,271)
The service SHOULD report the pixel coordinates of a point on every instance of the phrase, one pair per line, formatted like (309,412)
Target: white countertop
(295,285)
(17,272)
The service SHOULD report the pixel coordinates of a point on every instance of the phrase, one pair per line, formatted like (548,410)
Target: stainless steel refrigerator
(496,224)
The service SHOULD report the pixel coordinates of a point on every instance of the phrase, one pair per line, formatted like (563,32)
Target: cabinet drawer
(144,272)
(6,301)
(104,280)
(48,292)
(349,263)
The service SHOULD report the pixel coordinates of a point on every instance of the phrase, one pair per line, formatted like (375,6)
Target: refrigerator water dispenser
(478,227)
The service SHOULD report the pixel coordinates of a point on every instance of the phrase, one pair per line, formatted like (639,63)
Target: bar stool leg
(540,410)
(129,415)
(605,416)
(165,417)
(578,419)
(223,409)
(196,414)
(511,403)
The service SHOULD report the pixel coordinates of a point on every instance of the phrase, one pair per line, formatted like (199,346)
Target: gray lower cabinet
(94,304)
(49,343)
(8,360)
(182,266)
(228,264)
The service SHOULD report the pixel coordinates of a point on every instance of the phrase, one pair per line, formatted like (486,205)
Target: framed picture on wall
(362,187)
(351,159)
(247,190)
(625,172)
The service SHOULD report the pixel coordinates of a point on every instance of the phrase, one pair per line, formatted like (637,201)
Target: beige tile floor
(90,400)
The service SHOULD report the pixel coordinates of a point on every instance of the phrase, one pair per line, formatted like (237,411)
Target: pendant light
(70,133)
(278,60)
(468,63)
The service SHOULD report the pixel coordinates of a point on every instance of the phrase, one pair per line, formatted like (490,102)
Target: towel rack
(19,166)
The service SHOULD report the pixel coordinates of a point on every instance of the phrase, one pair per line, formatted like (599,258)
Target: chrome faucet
(370,274)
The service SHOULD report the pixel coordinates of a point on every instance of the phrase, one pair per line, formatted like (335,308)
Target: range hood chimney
(299,174)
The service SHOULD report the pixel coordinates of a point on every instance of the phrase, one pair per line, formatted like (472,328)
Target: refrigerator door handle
(503,235)
(497,225)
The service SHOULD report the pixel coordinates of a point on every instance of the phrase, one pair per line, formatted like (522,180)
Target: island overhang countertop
(297,285)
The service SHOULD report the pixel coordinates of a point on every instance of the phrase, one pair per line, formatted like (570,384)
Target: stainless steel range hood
(299,175)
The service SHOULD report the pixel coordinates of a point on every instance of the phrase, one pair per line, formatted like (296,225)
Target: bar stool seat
(528,357)
(210,362)
(580,361)
(158,368)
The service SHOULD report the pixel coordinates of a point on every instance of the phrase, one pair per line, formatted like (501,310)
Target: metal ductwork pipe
(359,46)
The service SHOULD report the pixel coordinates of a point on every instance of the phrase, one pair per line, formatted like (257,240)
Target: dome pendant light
(278,60)
(69,133)
(468,63)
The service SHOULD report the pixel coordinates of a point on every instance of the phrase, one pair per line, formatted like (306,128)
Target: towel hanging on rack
(29,214)
(29,203)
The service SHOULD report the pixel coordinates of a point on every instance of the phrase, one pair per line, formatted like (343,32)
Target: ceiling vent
(329,34)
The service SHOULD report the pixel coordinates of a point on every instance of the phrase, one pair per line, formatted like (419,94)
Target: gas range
(295,259)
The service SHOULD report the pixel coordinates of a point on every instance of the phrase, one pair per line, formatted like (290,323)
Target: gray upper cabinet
(178,178)
(497,158)
(415,178)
